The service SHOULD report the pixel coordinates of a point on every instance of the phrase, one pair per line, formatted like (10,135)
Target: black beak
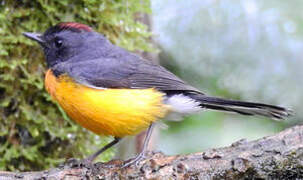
(34,36)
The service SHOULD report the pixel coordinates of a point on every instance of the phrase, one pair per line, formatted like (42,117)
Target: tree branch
(275,157)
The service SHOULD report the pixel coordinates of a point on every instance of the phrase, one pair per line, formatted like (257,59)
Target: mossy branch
(274,157)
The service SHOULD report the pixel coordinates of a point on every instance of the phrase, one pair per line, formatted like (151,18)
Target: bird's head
(67,40)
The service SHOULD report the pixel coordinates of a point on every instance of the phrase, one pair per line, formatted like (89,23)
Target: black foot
(75,163)
(135,160)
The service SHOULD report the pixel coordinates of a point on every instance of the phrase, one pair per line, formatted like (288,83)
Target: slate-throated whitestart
(111,91)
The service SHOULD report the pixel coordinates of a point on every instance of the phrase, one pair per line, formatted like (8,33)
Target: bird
(113,92)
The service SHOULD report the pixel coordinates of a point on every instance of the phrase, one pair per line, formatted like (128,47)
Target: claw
(135,160)
(75,163)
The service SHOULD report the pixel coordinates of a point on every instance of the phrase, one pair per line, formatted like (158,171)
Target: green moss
(34,132)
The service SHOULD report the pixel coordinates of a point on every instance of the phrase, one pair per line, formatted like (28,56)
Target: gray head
(70,41)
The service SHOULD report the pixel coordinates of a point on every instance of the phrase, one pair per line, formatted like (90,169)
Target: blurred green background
(247,50)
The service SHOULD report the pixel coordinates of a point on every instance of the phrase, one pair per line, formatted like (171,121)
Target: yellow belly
(115,112)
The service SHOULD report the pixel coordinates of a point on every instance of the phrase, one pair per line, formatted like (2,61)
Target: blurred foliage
(241,49)
(34,132)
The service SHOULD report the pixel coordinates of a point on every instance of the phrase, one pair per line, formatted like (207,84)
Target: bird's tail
(241,107)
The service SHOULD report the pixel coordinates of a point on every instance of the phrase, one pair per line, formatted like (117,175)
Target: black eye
(58,43)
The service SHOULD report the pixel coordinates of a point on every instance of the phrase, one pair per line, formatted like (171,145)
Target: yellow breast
(115,112)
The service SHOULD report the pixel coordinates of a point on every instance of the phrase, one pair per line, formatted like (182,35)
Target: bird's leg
(145,145)
(89,160)
(92,157)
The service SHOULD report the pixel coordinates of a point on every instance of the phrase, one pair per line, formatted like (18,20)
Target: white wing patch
(181,106)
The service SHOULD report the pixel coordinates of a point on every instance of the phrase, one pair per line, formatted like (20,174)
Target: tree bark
(274,157)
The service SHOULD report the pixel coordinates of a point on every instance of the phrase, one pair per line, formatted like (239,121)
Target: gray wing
(128,72)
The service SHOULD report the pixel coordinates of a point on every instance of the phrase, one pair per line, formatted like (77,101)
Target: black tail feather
(241,107)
